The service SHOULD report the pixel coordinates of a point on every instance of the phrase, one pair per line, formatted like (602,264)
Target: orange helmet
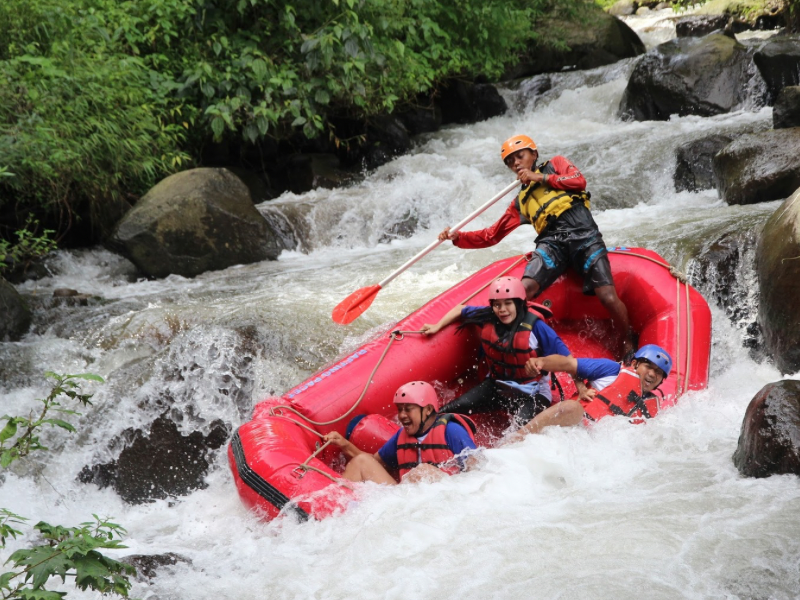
(518,142)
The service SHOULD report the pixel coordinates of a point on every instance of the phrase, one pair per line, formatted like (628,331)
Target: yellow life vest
(540,204)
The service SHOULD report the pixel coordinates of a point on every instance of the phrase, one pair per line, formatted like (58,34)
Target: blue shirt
(600,372)
(456,436)
(544,340)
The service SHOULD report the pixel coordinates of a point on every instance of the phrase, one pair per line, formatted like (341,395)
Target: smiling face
(411,416)
(522,159)
(505,310)
(650,375)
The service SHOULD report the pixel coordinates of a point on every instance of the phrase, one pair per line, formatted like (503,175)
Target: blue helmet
(656,355)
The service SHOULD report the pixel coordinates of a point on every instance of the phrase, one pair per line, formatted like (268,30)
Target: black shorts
(587,255)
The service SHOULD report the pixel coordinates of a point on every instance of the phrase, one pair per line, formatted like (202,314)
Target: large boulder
(786,112)
(699,25)
(467,102)
(778,268)
(596,40)
(159,463)
(693,169)
(778,60)
(689,76)
(758,14)
(16,314)
(195,221)
(759,167)
(769,442)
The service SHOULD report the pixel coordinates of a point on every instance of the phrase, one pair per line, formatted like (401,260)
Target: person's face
(505,310)
(522,159)
(411,416)
(650,375)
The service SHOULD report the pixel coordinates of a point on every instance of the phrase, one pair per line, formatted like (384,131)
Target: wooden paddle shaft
(455,227)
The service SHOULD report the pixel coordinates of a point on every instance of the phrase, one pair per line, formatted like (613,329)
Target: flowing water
(655,511)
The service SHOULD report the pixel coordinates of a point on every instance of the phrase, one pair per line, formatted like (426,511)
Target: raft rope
(682,385)
(276,411)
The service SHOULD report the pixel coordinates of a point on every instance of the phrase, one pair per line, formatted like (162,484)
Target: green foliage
(20,436)
(29,245)
(101,98)
(68,552)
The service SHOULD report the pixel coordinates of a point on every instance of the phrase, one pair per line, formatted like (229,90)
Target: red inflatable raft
(276,459)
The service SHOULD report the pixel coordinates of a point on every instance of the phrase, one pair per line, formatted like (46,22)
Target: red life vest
(508,363)
(433,449)
(623,398)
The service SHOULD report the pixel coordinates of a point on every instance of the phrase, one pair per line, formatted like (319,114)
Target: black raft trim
(259,485)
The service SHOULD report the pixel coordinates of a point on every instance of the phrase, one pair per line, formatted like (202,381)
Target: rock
(642,10)
(786,112)
(758,14)
(195,221)
(16,315)
(466,102)
(147,565)
(309,171)
(689,76)
(699,25)
(778,268)
(602,39)
(623,8)
(64,292)
(157,464)
(778,60)
(769,442)
(724,272)
(694,170)
(421,119)
(387,137)
(759,167)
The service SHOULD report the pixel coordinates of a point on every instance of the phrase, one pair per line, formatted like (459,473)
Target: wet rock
(310,171)
(778,268)
(421,119)
(195,221)
(601,39)
(778,61)
(694,170)
(467,102)
(159,463)
(64,292)
(724,272)
(689,76)
(148,565)
(759,167)
(769,442)
(786,112)
(699,25)
(758,14)
(387,137)
(16,318)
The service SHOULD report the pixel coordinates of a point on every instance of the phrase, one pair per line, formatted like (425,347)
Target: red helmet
(518,142)
(419,393)
(507,287)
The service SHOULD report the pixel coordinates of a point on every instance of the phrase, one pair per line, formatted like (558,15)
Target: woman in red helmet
(554,200)
(511,336)
(428,444)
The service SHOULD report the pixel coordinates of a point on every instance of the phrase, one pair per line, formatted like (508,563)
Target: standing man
(554,200)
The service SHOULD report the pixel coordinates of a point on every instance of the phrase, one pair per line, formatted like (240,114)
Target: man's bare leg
(563,414)
(364,467)
(607,294)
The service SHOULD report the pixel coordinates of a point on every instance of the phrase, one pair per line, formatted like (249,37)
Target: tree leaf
(9,431)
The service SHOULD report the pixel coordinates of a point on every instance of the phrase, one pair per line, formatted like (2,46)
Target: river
(616,512)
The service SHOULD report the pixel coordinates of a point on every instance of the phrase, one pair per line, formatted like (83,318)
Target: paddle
(349,309)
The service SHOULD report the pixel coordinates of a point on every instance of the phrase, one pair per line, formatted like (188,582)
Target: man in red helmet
(424,447)
(554,200)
